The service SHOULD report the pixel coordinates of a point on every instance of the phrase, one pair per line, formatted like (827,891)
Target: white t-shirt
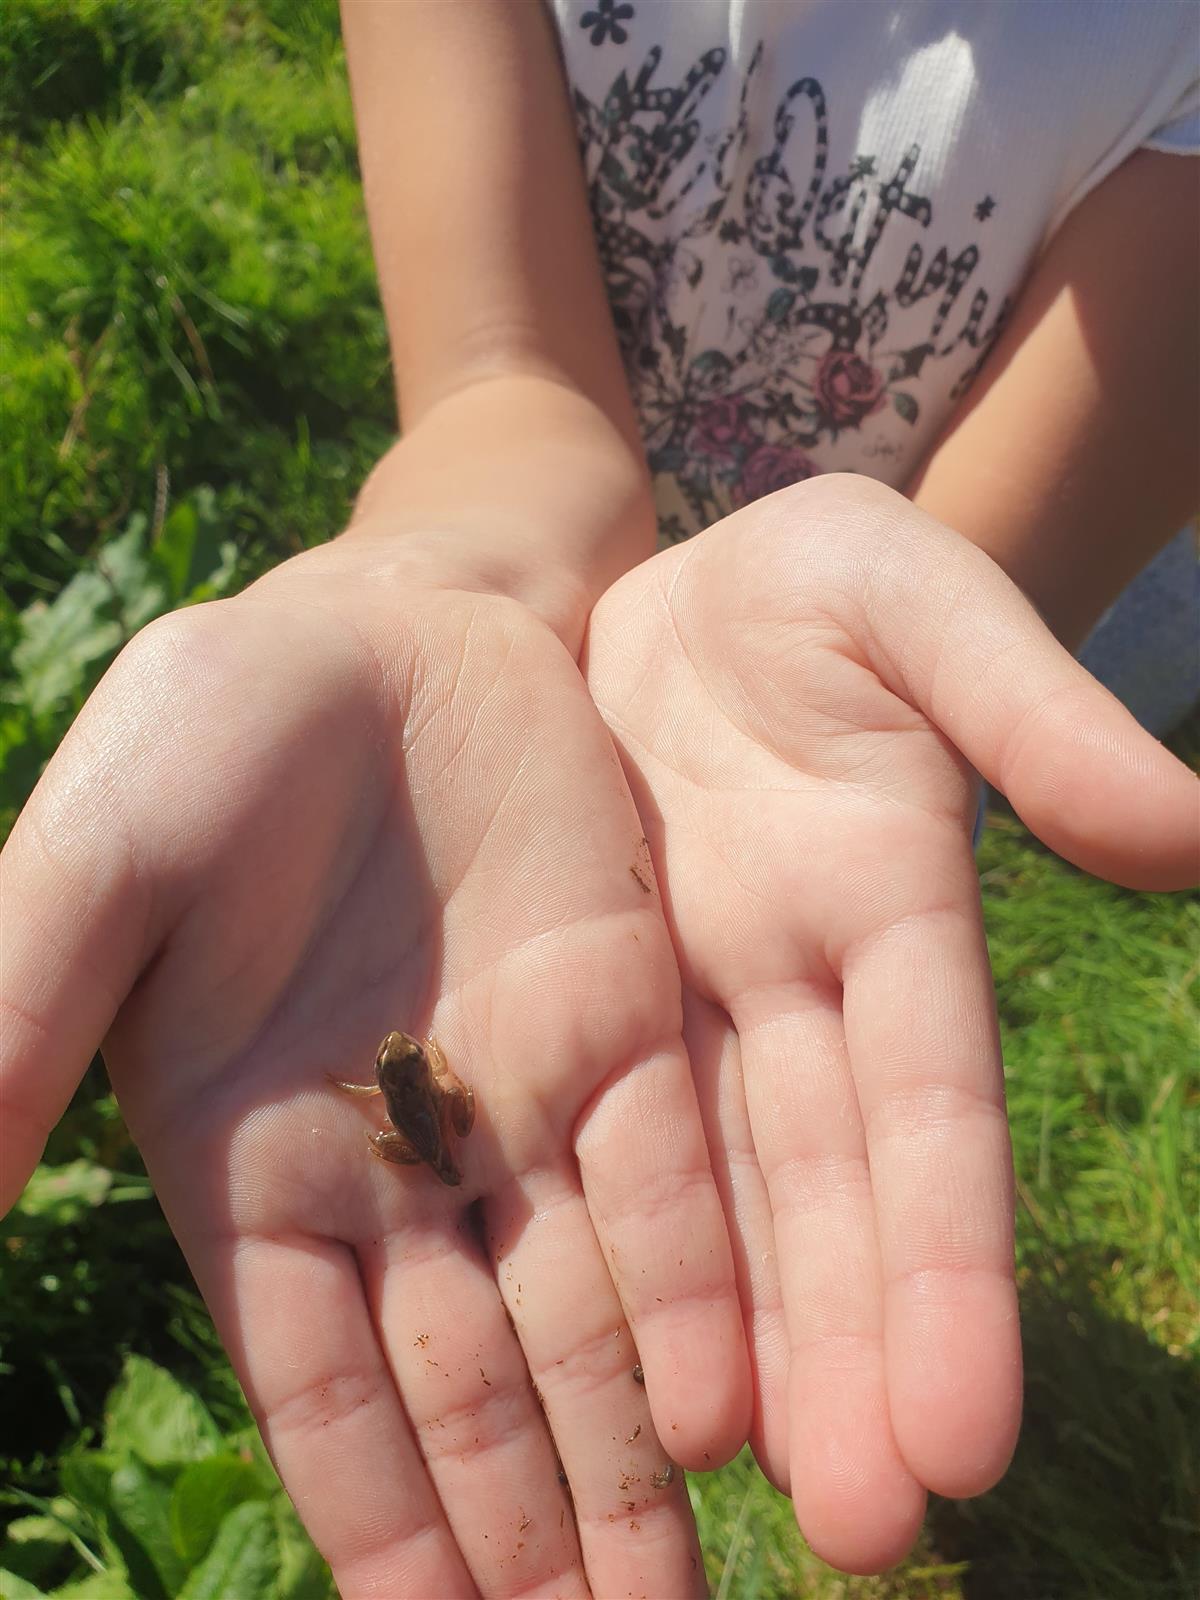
(814,215)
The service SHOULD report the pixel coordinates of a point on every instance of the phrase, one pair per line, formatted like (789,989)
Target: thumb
(72,921)
(975,656)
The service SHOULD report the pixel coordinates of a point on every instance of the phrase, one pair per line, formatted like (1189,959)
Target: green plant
(63,58)
(167,1508)
(59,650)
(189,290)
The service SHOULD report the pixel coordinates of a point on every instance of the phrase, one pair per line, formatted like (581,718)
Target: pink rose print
(721,433)
(847,387)
(771,467)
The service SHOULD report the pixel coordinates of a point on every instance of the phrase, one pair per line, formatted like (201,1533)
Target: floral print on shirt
(687,222)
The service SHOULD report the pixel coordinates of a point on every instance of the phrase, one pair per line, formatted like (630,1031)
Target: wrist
(518,486)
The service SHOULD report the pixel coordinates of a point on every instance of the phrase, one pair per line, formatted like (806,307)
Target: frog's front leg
(353,1088)
(460,1101)
(392,1146)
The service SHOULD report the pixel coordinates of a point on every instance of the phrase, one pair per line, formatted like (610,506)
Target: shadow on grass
(1103,1497)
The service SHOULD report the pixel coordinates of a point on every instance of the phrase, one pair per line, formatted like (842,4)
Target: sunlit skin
(778,689)
(282,822)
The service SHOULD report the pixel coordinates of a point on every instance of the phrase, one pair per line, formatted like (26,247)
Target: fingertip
(24,1143)
(1103,793)
(856,1501)
(859,1512)
(769,1423)
(955,1383)
(700,1393)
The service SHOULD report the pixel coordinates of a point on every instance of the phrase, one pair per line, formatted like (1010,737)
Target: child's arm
(356,797)
(520,441)
(1076,457)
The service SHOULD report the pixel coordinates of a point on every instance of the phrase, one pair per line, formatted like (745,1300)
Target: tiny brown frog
(424,1098)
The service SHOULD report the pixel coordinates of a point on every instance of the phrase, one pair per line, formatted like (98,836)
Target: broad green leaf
(152,1414)
(190,552)
(110,1585)
(14,1588)
(85,1476)
(31,1543)
(172,550)
(243,1561)
(303,1574)
(37,1530)
(141,1501)
(65,644)
(59,642)
(34,1546)
(205,1492)
(62,1195)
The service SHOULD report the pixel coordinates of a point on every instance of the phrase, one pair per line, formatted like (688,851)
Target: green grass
(193,383)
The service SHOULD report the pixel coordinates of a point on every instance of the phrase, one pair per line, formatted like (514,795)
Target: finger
(657,1214)
(712,1046)
(631,1507)
(921,1030)
(970,650)
(292,1316)
(476,1420)
(856,1499)
(73,919)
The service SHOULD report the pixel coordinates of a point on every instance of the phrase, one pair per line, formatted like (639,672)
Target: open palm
(286,824)
(796,695)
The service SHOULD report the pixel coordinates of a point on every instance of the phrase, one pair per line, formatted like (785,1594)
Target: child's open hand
(344,803)
(791,692)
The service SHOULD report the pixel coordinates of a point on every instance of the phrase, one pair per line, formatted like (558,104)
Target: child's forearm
(1075,458)
(520,468)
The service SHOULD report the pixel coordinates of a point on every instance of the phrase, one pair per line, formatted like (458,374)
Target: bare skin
(157,883)
(426,1101)
(810,824)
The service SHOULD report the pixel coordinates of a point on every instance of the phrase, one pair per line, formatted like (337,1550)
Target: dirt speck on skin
(642,871)
(485,1377)
(634,1434)
(524,1523)
(660,1480)
(638,1375)
(421,1341)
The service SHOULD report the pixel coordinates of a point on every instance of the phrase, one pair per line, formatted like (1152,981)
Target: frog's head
(401,1061)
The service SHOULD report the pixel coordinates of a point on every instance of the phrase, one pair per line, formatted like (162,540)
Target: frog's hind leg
(391,1146)
(362,1089)
(460,1099)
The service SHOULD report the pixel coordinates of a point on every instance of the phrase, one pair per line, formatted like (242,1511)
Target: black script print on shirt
(686,222)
